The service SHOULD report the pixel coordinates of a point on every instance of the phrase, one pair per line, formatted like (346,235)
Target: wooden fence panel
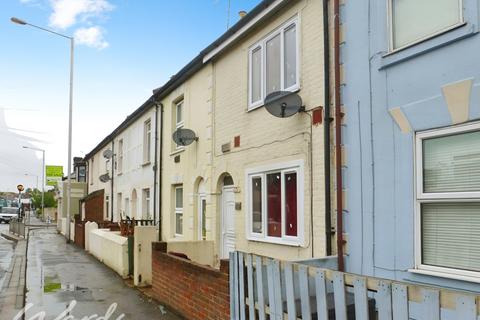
(271,285)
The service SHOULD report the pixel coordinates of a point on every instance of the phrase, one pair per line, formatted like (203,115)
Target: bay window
(412,20)
(448,200)
(273,64)
(275,198)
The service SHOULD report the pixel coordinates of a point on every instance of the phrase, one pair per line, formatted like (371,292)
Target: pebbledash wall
(195,291)
(389,97)
(259,142)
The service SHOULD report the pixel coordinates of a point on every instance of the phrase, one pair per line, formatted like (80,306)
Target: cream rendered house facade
(186,181)
(266,206)
(131,167)
(247,183)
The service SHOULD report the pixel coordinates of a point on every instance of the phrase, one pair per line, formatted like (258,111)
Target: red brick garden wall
(192,290)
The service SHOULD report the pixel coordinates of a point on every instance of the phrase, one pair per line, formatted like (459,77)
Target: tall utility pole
(70,107)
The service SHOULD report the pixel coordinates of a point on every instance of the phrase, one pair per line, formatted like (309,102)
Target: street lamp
(43,174)
(70,106)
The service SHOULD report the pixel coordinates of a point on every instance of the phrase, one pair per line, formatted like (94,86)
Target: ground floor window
(146,203)
(275,203)
(448,200)
(178,194)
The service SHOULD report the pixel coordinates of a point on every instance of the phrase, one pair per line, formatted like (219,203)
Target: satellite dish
(104,177)
(108,154)
(184,137)
(283,104)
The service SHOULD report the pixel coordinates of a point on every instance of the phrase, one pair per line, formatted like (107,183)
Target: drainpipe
(160,170)
(326,128)
(111,181)
(338,134)
(155,165)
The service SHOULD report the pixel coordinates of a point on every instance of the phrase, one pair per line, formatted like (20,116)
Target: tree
(49,199)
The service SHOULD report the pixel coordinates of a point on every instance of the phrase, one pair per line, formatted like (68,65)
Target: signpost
(54,174)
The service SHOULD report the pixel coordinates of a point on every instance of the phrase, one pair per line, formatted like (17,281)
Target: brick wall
(94,206)
(192,290)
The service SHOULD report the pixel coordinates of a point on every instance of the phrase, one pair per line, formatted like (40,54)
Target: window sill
(146,163)
(119,173)
(280,241)
(443,38)
(173,153)
(445,275)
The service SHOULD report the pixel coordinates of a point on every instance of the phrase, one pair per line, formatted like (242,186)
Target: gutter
(326,134)
(338,134)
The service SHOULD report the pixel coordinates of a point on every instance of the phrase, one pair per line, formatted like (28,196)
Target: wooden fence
(265,288)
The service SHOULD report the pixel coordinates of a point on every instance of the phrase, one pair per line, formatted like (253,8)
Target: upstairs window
(414,20)
(273,64)
(178,118)
(147,140)
(448,200)
(120,157)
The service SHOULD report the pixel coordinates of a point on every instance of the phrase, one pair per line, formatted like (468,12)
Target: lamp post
(43,175)
(70,106)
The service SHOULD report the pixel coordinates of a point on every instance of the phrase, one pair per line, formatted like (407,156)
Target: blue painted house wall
(379,174)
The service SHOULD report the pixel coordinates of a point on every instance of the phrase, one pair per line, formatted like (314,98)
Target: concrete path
(59,273)
(12,277)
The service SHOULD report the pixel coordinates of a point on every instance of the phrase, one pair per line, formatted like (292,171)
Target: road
(6,252)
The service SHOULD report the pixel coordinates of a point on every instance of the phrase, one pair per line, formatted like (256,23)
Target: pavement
(60,274)
(12,275)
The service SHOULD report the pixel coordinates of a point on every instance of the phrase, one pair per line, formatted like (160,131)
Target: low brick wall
(191,289)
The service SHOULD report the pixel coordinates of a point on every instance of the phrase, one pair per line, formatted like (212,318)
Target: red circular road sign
(20,187)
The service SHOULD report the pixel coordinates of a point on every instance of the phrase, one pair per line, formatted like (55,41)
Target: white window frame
(146,201)
(179,124)
(422,197)
(262,171)
(147,141)
(178,211)
(120,163)
(391,47)
(263,68)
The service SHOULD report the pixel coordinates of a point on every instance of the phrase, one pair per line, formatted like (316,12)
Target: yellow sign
(54,174)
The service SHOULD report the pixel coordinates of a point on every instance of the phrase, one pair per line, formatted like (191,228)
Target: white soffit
(242,31)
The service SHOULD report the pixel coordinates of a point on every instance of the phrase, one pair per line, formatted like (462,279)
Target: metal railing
(17,226)
(265,288)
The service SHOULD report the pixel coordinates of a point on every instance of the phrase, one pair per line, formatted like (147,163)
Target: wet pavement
(7,248)
(59,274)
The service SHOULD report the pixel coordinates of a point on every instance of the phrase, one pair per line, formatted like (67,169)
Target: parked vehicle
(7,213)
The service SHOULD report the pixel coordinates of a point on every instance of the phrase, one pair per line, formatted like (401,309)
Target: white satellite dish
(184,137)
(108,154)
(104,178)
(283,104)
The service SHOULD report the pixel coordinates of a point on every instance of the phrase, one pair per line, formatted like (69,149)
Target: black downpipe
(326,128)
(155,166)
(111,181)
(160,176)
